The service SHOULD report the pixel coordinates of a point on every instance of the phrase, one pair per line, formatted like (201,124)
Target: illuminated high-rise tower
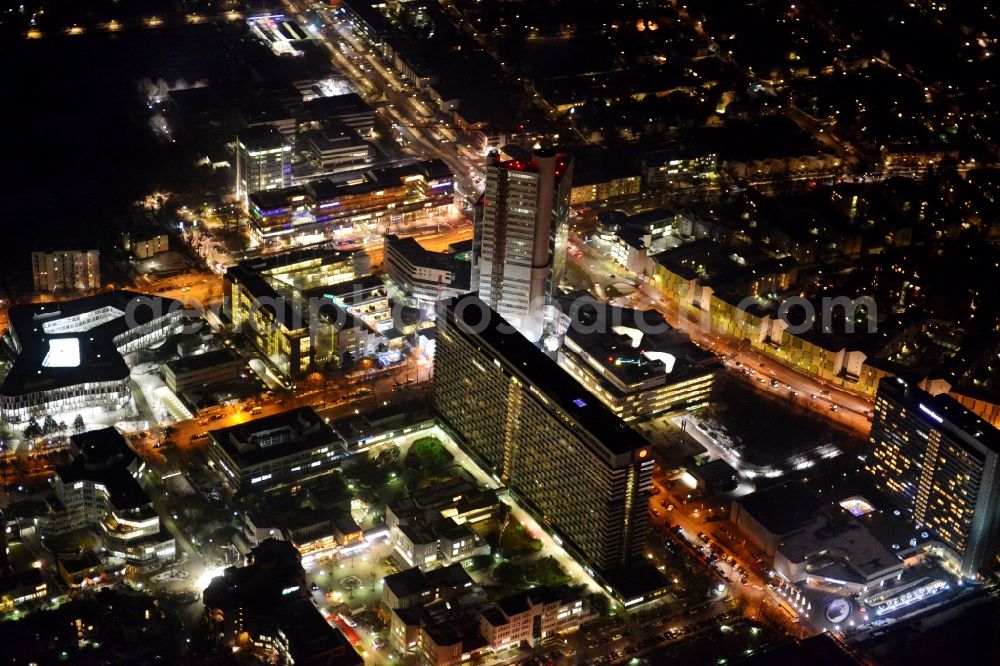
(584,473)
(519,248)
(940,463)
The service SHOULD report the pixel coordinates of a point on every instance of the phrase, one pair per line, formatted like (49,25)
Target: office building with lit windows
(634,362)
(520,236)
(421,275)
(377,201)
(263,161)
(279,302)
(583,472)
(284,449)
(100,489)
(70,355)
(940,464)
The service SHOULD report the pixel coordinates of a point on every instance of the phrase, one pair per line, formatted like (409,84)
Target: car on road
(833,408)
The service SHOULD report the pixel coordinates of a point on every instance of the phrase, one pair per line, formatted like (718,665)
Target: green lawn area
(516,541)
(546,571)
(427,453)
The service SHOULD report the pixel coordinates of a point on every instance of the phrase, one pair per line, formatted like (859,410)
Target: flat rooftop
(475,319)
(72,342)
(636,580)
(414,581)
(256,276)
(839,547)
(612,337)
(104,457)
(352,291)
(209,359)
(333,138)
(418,255)
(528,161)
(276,436)
(943,413)
(261,137)
(709,262)
(783,508)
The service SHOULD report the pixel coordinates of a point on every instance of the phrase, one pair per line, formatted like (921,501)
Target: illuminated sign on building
(930,413)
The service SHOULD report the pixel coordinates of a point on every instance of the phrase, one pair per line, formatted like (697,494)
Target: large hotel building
(584,473)
(519,245)
(938,462)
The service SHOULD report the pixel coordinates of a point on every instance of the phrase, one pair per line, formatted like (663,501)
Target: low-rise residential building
(455,498)
(673,168)
(533,617)
(442,541)
(413,587)
(17,589)
(145,244)
(442,634)
(275,451)
(600,175)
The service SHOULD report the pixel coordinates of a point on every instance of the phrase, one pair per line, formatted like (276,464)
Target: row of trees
(49,426)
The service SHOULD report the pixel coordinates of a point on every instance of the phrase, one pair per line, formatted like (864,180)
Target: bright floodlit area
(63,353)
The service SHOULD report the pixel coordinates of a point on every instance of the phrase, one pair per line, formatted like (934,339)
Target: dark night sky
(80,147)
